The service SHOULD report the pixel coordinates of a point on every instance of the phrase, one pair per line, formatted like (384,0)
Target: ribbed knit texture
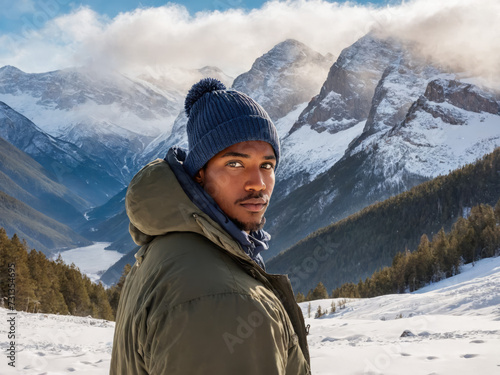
(222,118)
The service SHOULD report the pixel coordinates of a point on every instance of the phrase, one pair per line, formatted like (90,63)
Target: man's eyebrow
(235,154)
(244,156)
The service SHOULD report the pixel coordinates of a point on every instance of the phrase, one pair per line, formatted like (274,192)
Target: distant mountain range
(358,129)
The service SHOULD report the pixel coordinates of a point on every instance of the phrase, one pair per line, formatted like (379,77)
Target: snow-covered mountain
(285,77)
(452,124)
(318,134)
(69,165)
(107,115)
(346,95)
(452,326)
(57,101)
(421,122)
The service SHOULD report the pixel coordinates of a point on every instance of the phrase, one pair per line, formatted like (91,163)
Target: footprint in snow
(431,358)
(329,339)
(477,342)
(467,356)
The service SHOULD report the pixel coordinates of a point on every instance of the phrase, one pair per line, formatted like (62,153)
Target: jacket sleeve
(227,333)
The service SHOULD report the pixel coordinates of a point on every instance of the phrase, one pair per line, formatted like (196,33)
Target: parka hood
(156,204)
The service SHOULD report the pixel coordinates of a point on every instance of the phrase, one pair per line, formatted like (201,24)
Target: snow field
(454,325)
(57,344)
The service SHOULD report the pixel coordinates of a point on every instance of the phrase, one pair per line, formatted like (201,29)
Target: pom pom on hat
(199,89)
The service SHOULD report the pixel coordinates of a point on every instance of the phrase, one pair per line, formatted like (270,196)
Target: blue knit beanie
(219,118)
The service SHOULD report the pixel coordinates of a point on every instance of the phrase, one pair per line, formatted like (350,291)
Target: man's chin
(250,226)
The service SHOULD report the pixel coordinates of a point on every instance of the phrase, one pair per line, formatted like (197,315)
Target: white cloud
(462,33)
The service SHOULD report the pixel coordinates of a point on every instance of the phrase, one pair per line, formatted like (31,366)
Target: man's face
(240,179)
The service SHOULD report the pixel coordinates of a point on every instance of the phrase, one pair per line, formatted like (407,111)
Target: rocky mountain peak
(288,52)
(445,98)
(345,98)
(461,95)
(401,84)
(286,76)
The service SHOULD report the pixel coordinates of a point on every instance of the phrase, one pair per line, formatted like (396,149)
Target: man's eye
(268,166)
(234,164)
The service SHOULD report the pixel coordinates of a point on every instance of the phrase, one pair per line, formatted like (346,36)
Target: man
(198,299)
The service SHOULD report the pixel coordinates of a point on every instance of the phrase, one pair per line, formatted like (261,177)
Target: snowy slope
(455,325)
(452,124)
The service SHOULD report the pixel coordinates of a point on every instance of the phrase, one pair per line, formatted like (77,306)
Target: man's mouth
(254,205)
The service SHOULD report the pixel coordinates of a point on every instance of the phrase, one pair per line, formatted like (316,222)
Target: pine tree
(398,272)
(497,212)
(482,217)
(425,260)
(319,312)
(319,292)
(300,297)
(99,299)
(74,291)
(4,261)
(309,296)
(440,248)
(381,283)
(333,308)
(466,241)
(411,275)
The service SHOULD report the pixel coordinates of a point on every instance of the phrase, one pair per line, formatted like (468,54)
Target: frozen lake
(92,260)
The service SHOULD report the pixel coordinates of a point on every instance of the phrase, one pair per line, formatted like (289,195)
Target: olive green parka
(194,302)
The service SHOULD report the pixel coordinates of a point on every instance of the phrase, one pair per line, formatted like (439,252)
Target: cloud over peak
(463,34)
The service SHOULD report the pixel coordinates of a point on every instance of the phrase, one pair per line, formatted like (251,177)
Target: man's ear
(199,177)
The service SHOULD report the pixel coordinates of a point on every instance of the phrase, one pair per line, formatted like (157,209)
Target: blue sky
(21,15)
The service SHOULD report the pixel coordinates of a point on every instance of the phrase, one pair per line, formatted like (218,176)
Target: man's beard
(250,227)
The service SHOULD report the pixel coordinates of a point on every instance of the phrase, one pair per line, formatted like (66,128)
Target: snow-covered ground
(92,260)
(454,325)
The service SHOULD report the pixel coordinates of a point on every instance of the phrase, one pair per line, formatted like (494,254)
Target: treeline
(470,239)
(48,286)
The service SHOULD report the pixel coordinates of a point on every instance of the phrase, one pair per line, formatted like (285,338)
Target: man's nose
(255,181)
